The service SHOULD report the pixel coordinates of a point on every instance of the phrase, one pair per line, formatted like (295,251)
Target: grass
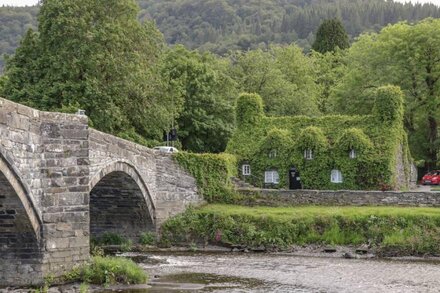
(389,230)
(107,271)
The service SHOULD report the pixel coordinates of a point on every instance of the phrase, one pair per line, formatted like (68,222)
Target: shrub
(110,238)
(108,270)
(147,238)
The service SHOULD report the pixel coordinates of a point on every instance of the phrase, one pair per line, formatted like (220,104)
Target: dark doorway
(294,179)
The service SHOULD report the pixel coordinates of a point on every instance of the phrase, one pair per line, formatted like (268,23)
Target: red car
(432,178)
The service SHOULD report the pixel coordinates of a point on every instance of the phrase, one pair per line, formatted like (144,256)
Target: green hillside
(222,25)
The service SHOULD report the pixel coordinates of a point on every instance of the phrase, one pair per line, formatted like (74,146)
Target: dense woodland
(99,57)
(222,25)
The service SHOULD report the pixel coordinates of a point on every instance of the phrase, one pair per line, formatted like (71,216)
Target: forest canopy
(222,25)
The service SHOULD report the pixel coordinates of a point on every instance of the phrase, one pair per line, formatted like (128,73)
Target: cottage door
(294,179)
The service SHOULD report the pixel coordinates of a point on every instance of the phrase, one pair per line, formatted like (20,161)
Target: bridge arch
(20,225)
(11,180)
(120,202)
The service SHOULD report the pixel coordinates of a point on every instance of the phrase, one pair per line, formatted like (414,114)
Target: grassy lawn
(289,213)
(388,230)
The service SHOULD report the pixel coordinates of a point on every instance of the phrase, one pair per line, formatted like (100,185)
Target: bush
(108,270)
(147,238)
(110,238)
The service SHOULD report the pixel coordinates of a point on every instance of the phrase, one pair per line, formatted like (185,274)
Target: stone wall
(273,197)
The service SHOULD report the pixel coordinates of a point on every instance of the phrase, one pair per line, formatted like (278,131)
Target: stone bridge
(62,183)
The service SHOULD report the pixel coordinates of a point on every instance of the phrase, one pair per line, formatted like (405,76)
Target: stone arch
(120,201)
(20,228)
(12,181)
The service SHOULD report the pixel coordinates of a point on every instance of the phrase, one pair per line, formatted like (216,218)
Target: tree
(331,34)
(406,55)
(93,55)
(283,76)
(205,94)
(330,68)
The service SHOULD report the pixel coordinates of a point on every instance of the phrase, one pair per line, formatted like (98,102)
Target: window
(352,154)
(246,170)
(308,154)
(273,154)
(336,176)
(271,177)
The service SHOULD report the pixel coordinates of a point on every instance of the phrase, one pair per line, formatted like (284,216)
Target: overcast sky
(33,2)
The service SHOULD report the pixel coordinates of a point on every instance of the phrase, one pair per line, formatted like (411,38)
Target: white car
(166,149)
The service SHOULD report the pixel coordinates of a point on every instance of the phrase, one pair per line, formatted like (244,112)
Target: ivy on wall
(378,140)
(213,174)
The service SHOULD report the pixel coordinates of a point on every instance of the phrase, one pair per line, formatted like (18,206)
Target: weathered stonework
(273,197)
(60,182)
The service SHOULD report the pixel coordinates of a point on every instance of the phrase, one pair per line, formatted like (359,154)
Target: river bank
(383,231)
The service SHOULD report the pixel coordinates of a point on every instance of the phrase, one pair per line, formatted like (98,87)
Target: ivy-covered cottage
(327,152)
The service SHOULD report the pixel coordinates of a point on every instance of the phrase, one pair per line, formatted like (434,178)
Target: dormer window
(246,170)
(308,154)
(352,154)
(273,154)
(336,176)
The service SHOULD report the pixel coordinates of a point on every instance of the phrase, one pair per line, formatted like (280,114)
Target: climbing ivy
(213,174)
(378,140)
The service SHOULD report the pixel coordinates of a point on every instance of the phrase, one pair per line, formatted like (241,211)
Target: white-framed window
(271,177)
(273,154)
(336,176)
(352,154)
(246,170)
(308,154)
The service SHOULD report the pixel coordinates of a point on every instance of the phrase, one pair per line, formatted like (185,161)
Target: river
(250,272)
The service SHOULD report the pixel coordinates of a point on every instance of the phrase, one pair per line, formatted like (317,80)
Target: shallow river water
(240,272)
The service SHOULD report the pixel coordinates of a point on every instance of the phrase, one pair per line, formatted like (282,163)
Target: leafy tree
(331,34)
(283,76)
(406,55)
(93,55)
(330,68)
(199,83)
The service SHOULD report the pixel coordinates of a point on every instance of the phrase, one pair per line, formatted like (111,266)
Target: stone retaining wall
(273,197)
